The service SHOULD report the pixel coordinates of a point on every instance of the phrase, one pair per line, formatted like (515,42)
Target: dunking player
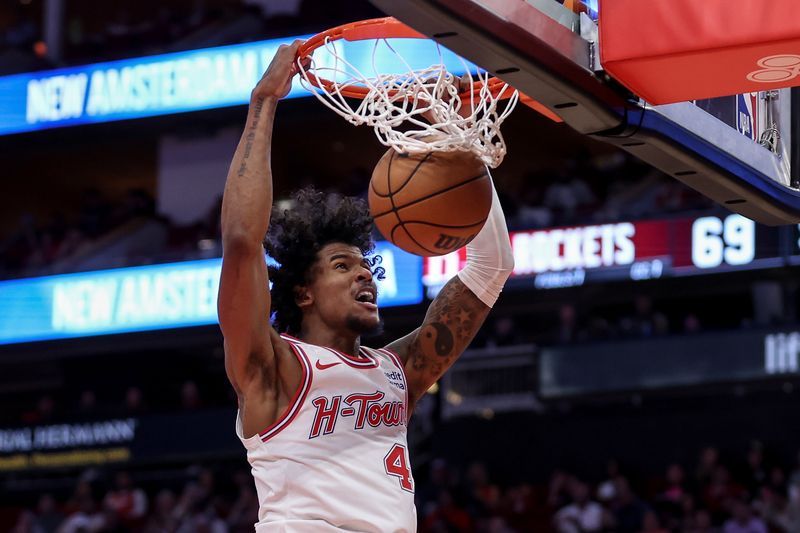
(323,418)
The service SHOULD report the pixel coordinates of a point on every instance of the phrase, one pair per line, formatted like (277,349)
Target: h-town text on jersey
(365,409)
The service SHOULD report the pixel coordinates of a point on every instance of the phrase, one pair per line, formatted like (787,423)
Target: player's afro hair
(295,237)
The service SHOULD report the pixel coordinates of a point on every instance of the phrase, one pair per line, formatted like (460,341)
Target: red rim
(380,28)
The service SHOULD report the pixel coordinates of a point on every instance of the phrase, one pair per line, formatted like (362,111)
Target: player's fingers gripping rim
(277,79)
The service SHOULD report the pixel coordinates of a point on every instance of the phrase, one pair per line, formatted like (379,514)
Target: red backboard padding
(669,51)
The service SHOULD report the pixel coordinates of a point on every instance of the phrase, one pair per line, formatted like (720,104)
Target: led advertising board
(151,297)
(648,249)
(177,82)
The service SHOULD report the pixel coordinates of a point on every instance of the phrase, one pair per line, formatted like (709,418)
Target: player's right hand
(277,80)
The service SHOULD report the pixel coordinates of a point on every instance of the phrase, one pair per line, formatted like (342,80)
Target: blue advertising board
(151,297)
(177,82)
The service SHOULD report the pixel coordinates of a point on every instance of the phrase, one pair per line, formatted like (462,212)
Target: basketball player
(322,417)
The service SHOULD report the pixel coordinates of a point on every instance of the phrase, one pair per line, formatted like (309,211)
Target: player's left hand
(277,80)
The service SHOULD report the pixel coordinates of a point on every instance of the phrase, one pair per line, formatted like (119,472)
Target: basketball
(432,203)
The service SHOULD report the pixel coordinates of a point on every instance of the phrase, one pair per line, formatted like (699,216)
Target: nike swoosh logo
(322,366)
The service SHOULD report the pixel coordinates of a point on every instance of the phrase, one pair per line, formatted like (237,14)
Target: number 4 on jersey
(397,465)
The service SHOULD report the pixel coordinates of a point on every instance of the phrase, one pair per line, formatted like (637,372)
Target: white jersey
(337,458)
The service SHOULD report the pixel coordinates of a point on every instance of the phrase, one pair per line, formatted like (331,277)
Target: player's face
(344,293)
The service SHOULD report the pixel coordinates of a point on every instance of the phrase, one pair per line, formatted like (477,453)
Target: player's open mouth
(367,297)
(368,305)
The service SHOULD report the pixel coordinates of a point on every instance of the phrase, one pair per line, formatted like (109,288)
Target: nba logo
(747,115)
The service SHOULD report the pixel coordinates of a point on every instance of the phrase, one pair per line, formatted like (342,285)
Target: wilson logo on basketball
(365,409)
(450,242)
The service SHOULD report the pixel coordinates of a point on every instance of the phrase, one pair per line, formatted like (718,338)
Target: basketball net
(462,114)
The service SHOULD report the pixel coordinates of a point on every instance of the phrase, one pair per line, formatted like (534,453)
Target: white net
(413,110)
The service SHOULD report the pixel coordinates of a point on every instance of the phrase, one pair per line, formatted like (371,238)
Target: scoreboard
(649,249)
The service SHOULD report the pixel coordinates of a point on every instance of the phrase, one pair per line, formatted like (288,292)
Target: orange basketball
(430,204)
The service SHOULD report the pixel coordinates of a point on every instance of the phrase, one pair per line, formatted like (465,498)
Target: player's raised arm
(460,308)
(244,300)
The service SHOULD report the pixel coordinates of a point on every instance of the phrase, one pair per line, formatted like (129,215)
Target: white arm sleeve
(489,257)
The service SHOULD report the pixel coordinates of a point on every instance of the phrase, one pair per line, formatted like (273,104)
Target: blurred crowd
(641,319)
(37,245)
(76,405)
(195,500)
(587,191)
(750,494)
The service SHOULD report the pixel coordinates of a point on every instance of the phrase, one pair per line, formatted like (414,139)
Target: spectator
(447,516)
(48,517)
(202,520)
(558,490)
(629,510)
(755,472)
(688,512)
(743,520)
(794,480)
(84,518)
(134,401)
(190,396)
(597,328)
(87,404)
(672,500)
(777,480)
(136,203)
(721,489)
(706,464)
(197,493)
(44,412)
(164,518)
(582,515)
(702,523)
(94,215)
(793,512)
(675,490)
(244,512)
(438,480)
(521,508)
(531,212)
(25,523)
(650,524)
(772,506)
(498,524)
(646,322)
(126,501)
(504,332)
(567,196)
(607,490)
(483,497)
(567,324)
(110,522)
(691,324)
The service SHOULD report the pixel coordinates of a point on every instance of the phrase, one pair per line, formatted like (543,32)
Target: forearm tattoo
(251,135)
(450,324)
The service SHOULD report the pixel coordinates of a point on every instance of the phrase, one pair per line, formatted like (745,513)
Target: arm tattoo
(441,336)
(251,135)
(450,324)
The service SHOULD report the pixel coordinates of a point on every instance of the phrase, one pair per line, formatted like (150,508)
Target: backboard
(737,150)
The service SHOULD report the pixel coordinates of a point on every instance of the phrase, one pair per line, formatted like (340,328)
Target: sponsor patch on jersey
(396,379)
